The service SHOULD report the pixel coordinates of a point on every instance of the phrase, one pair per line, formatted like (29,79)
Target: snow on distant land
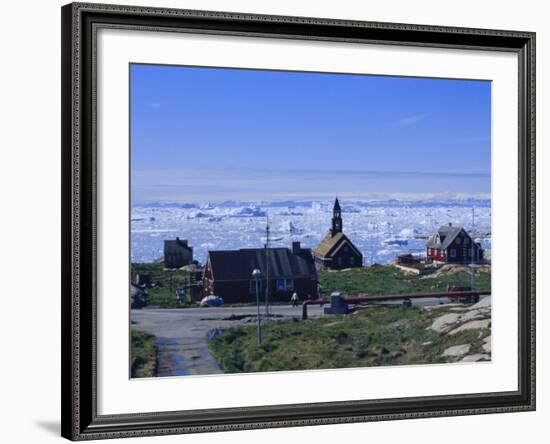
(381,230)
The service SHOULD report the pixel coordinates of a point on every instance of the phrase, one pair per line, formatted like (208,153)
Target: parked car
(211,301)
(461,298)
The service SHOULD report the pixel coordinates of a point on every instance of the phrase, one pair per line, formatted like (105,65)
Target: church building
(336,251)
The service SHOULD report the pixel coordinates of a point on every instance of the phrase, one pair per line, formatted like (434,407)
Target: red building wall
(436,254)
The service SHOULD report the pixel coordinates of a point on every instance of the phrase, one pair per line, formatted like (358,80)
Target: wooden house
(453,245)
(336,251)
(177,253)
(228,274)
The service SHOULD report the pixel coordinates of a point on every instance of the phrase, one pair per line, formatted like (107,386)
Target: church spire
(336,218)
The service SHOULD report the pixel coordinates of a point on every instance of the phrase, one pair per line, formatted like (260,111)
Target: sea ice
(370,225)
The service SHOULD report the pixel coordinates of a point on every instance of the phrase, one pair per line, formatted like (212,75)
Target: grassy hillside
(388,279)
(373,336)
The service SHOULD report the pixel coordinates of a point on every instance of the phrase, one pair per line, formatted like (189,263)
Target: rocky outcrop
(476,358)
(473,325)
(444,323)
(478,316)
(483,303)
(452,320)
(451,269)
(457,350)
(487,344)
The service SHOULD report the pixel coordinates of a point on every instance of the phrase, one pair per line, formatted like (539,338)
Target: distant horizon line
(323,171)
(341,198)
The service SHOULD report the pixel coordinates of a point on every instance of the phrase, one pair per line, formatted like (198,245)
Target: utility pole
(256,274)
(267,245)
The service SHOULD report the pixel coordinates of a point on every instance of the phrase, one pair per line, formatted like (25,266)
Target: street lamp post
(256,274)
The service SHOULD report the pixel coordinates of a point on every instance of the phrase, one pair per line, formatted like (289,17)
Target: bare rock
(472,315)
(476,358)
(485,302)
(457,350)
(487,344)
(444,323)
(472,325)
(460,308)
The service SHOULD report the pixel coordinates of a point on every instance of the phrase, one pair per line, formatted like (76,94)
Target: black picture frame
(80,420)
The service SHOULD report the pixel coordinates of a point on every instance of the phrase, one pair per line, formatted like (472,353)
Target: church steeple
(336,218)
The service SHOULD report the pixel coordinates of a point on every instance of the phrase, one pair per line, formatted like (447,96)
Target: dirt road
(182,333)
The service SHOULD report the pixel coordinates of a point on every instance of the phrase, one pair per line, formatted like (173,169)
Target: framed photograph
(278,221)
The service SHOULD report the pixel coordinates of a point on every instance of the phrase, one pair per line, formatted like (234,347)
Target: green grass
(384,279)
(388,279)
(162,297)
(143,354)
(163,293)
(373,336)
(166,278)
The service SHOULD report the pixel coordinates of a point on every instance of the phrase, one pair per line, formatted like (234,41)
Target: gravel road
(182,333)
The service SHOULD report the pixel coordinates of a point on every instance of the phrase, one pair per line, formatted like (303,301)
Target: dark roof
(447,234)
(173,246)
(336,204)
(330,244)
(233,265)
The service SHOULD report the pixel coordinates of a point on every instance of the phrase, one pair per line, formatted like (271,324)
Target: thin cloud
(192,185)
(155,105)
(411,120)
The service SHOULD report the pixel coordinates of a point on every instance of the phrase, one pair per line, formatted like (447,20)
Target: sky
(215,134)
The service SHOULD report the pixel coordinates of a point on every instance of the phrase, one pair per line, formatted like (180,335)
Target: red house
(454,245)
(228,273)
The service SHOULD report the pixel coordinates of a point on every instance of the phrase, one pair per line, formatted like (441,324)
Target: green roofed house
(336,251)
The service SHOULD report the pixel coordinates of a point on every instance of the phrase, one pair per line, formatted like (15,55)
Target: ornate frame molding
(80,22)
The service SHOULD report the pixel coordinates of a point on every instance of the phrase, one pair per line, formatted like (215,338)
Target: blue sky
(214,134)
